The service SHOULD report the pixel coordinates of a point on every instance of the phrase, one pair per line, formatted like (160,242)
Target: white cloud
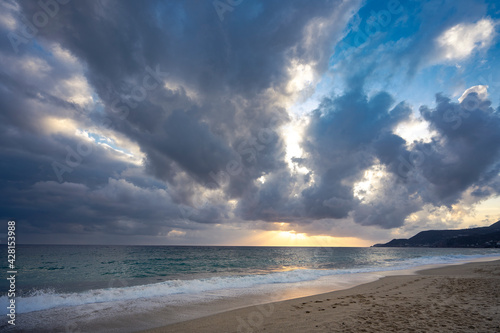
(301,76)
(176,233)
(482,92)
(63,55)
(414,129)
(75,89)
(458,42)
(8,12)
(33,66)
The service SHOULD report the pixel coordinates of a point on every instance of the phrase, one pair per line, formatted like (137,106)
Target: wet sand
(458,298)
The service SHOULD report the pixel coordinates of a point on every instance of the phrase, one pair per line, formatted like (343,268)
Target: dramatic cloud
(467,151)
(458,42)
(341,141)
(172,121)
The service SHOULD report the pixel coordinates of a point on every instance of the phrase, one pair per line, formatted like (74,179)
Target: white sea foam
(47,299)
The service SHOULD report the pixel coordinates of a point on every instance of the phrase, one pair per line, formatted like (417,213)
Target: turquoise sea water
(67,276)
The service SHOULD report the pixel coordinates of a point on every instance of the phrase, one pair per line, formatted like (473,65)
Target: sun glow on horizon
(293,238)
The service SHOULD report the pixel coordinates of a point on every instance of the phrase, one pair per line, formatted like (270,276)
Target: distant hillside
(473,237)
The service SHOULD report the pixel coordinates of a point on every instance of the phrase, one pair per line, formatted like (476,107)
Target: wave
(46,299)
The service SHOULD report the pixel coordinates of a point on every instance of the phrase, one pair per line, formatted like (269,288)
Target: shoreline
(424,299)
(243,310)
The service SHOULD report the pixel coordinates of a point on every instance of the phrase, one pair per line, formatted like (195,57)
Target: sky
(248,122)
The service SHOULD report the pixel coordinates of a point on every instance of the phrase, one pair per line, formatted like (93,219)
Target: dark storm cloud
(201,99)
(28,152)
(119,207)
(346,135)
(216,109)
(352,133)
(343,139)
(187,40)
(271,201)
(468,151)
(463,156)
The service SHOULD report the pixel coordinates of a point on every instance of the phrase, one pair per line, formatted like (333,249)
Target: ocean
(65,278)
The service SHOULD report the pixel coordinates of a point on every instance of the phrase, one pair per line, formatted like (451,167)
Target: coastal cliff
(472,237)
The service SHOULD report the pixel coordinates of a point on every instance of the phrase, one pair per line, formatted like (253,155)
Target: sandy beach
(458,298)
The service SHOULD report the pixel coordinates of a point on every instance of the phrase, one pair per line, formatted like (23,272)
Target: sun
(294,238)
(291,235)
